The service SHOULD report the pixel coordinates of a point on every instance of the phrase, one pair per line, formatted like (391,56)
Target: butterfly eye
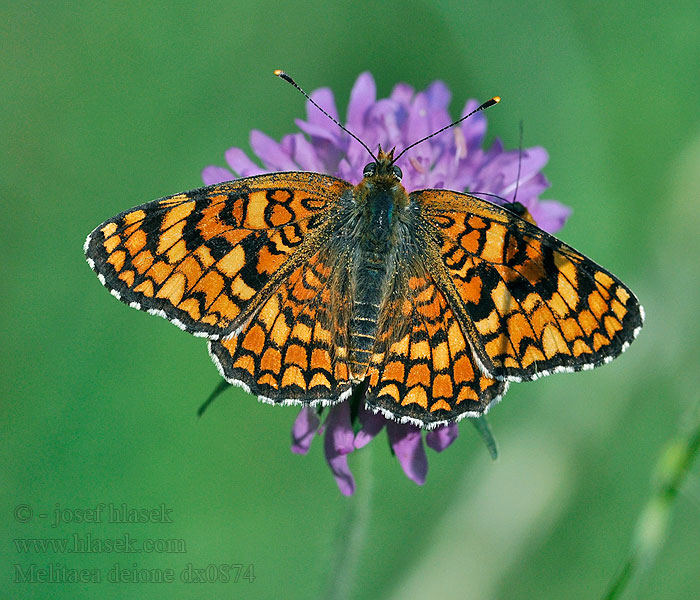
(397,172)
(369,170)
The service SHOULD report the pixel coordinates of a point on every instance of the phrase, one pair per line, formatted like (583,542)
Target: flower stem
(484,429)
(352,532)
(671,471)
(222,386)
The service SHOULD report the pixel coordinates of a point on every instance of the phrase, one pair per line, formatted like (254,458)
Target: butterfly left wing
(207,259)
(286,353)
(530,304)
(423,370)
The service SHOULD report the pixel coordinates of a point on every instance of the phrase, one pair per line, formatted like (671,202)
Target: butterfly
(308,287)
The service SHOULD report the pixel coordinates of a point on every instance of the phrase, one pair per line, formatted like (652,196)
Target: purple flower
(451,160)
(340,440)
(454,160)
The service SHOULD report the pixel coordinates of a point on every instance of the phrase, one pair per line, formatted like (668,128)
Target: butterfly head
(383,168)
(520,210)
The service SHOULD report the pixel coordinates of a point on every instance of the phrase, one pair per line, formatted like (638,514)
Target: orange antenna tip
(484,106)
(282,75)
(488,103)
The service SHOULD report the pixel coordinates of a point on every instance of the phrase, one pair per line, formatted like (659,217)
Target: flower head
(453,159)
(340,439)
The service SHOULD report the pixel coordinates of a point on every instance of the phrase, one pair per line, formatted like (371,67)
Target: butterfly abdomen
(365,316)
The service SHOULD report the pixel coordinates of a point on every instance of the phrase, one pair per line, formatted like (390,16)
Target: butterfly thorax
(379,206)
(380,202)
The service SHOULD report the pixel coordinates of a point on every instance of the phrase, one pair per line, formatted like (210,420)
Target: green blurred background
(105,106)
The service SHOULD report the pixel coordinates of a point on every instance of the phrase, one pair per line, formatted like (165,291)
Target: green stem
(221,387)
(352,532)
(620,583)
(484,429)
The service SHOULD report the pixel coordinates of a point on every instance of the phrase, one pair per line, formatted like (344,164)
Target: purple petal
(324,98)
(213,174)
(241,164)
(319,125)
(382,125)
(402,94)
(474,127)
(339,428)
(304,429)
(534,159)
(329,154)
(341,471)
(444,170)
(401,97)
(372,424)
(321,131)
(418,124)
(530,165)
(498,173)
(337,443)
(305,156)
(550,215)
(440,438)
(270,152)
(287,144)
(439,95)
(362,97)
(529,193)
(346,171)
(407,442)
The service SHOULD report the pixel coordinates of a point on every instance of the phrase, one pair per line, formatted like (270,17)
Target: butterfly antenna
(520,160)
(484,106)
(281,74)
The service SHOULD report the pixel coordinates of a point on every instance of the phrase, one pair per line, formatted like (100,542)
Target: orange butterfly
(307,287)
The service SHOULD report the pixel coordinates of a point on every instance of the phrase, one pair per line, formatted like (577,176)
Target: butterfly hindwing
(531,304)
(207,258)
(285,353)
(423,370)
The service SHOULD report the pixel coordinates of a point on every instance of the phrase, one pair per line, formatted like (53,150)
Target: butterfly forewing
(206,259)
(530,304)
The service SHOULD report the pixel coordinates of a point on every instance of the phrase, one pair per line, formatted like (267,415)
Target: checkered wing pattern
(423,369)
(530,304)
(209,259)
(286,353)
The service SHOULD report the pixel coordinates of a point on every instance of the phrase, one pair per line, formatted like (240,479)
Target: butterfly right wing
(207,259)
(531,304)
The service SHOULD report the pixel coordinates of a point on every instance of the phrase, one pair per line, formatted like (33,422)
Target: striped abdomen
(365,316)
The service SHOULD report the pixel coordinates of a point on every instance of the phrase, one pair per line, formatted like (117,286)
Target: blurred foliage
(107,105)
(670,474)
